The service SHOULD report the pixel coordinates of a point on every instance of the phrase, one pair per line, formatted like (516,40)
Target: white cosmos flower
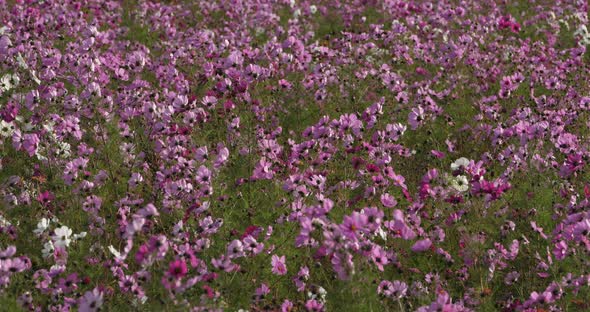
(460,183)
(461,162)
(567,25)
(313,9)
(6,128)
(34,76)
(38,153)
(27,125)
(382,233)
(61,237)
(136,302)
(5,83)
(79,236)
(49,126)
(47,249)
(42,226)
(21,61)
(15,80)
(320,294)
(23,64)
(4,222)
(63,149)
(114,251)
(584,35)
(582,31)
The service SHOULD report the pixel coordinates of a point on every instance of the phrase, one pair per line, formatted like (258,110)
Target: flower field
(292,155)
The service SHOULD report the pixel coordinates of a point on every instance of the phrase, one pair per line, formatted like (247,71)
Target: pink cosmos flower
(354,225)
(278,265)
(91,301)
(262,291)
(388,201)
(45,197)
(560,250)
(379,257)
(30,143)
(416,117)
(314,305)
(437,154)
(287,306)
(422,245)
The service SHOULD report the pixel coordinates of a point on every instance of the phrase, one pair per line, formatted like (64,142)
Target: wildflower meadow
(294,155)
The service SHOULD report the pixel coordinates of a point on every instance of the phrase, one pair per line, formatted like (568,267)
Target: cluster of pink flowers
(292,155)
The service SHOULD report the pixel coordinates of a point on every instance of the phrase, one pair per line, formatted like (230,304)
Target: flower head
(278,265)
(62,237)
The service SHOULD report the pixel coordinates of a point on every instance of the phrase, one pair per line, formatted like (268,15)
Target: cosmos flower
(177,268)
(354,224)
(62,237)
(460,183)
(91,301)
(6,128)
(278,265)
(416,117)
(388,201)
(42,226)
(422,245)
(460,163)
